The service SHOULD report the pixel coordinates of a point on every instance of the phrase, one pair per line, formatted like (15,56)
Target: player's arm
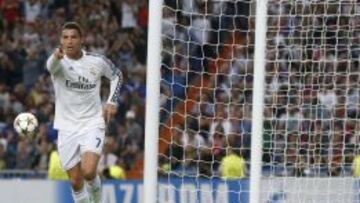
(116,79)
(53,63)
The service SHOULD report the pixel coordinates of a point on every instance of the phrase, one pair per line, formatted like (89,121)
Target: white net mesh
(312,96)
(312,84)
(311,100)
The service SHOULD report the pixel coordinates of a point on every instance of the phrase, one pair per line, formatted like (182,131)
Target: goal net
(311,101)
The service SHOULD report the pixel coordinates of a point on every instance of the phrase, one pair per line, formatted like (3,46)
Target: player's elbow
(52,65)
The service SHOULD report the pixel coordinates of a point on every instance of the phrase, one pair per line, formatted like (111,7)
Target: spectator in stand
(23,155)
(32,69)
(10,11)
(143,15)
(43,155)
(356,164)
(129,11)
(222,120)
(232,166)
(4,97)
(133,128)
(114,172)
(2,157)
(32,10)
(193,142)
(175,153)
(213,153)
(108,158)
(55,171)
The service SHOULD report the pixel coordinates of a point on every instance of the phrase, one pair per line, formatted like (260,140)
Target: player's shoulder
(94,55)
(98,56)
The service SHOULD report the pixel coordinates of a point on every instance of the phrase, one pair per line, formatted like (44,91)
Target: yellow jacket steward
(233,167)
(356,166)
(55,171)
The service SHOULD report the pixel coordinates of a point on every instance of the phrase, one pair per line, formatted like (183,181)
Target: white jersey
(77,90)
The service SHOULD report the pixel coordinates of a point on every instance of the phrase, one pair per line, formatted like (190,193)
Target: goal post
(258,100)
(152,101)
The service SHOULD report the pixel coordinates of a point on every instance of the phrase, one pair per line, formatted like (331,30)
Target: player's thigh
(69,149)
(93,141)
(76,177)
(89,163)
(91,149)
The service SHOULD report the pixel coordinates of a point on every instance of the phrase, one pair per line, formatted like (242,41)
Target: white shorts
(71,145)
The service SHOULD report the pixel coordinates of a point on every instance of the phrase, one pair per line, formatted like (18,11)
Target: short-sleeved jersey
(77,90)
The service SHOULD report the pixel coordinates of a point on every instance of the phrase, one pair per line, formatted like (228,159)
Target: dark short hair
(73,26)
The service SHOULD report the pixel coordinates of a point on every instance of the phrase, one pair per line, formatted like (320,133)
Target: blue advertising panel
(172,190)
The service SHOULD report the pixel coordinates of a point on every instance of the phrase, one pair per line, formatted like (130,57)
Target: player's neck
(75,56)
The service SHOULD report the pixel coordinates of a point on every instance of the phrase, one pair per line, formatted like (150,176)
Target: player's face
(71,42)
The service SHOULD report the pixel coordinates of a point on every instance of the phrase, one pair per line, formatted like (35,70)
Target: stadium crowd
(311,96)
(311,99)
(29,32)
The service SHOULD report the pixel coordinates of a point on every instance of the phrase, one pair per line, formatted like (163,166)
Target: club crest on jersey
(92,71)
(82,84)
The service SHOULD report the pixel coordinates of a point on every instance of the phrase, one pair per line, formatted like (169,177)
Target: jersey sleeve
(116,79)
(53,64)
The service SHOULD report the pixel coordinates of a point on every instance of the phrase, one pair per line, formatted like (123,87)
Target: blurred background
(29,32)
(312,96)
(311,99)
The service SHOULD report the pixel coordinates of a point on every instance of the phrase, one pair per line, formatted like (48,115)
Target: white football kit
(78,108)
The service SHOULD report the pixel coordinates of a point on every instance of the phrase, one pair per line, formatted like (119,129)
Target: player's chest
(84,71)
(81,75)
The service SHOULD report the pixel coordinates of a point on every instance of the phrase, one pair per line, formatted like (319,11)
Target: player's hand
(109,112)
(59,53)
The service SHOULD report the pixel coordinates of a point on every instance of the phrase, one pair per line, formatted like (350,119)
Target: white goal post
(152,101)
(258,100)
